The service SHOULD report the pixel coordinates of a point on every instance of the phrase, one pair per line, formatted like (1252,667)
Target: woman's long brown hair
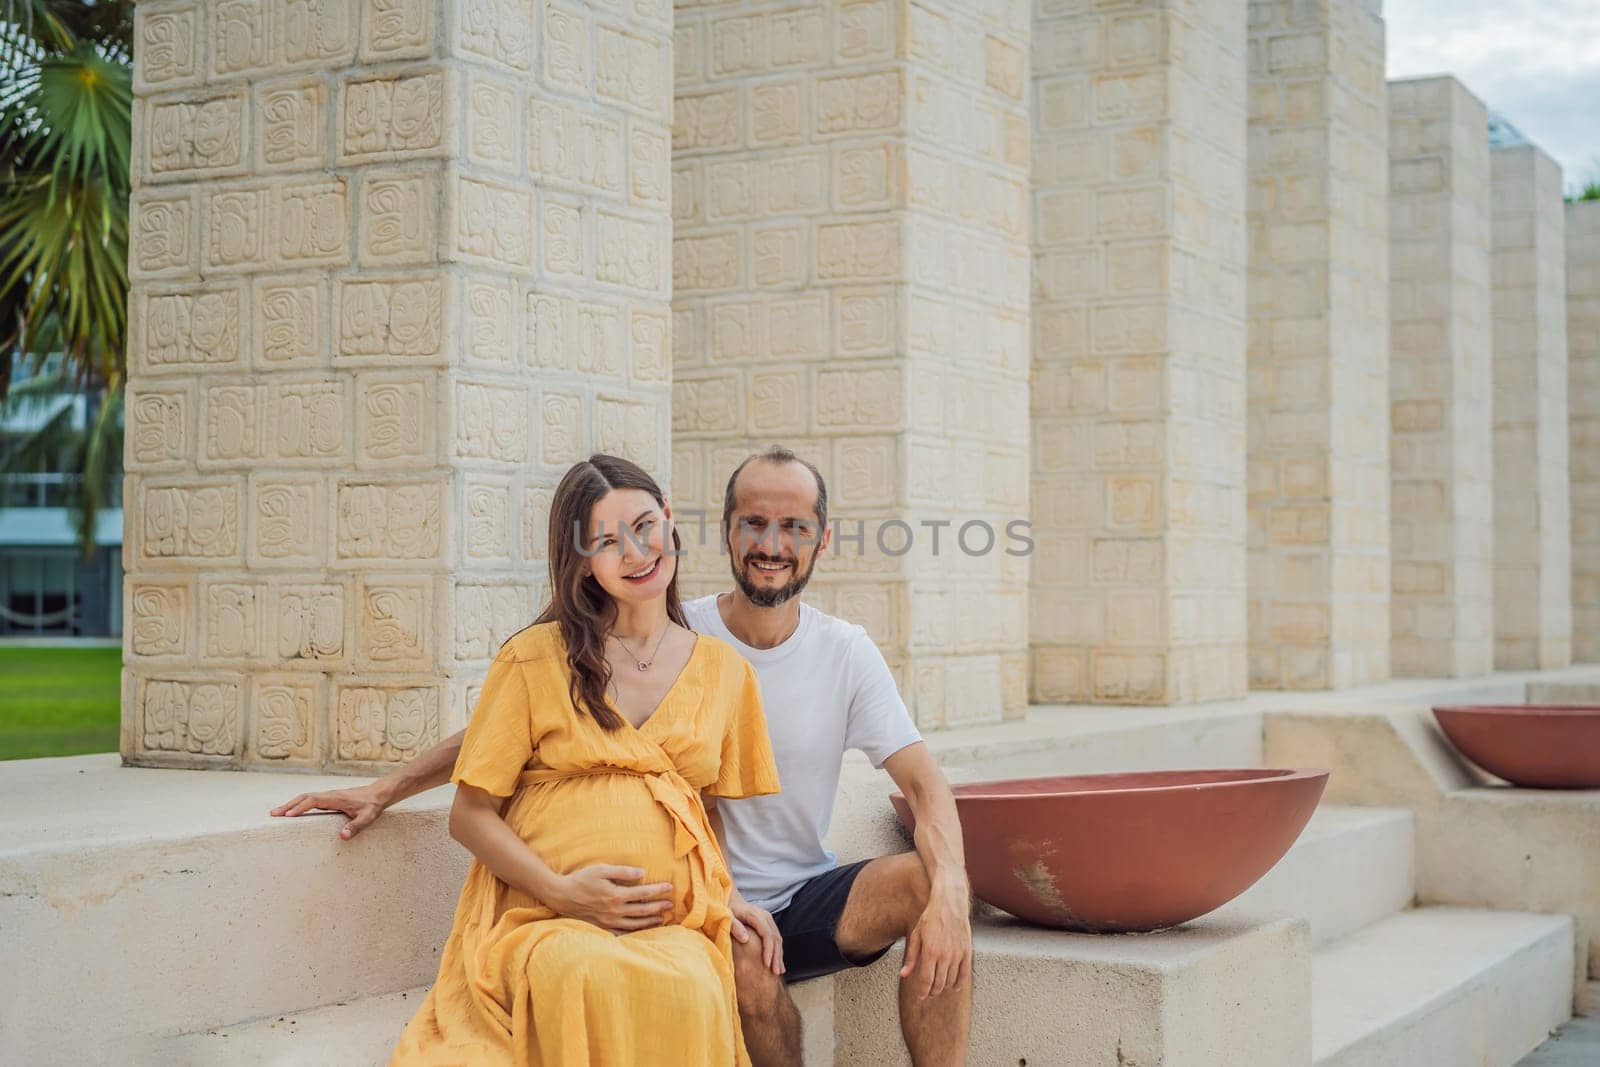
(578,604)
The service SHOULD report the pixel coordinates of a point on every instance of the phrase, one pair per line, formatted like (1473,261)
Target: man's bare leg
(885,902)
(767,1013)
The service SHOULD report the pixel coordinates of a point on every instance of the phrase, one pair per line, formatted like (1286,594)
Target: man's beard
(768,596)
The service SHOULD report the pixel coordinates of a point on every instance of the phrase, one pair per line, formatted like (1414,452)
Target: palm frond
(57,24)
(65,131)
(64,256)
(83,103)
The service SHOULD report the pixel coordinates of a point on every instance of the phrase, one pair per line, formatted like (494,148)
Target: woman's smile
(640,577)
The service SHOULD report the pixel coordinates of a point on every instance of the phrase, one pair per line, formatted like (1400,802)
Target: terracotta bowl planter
(1127,852)
(1540,746)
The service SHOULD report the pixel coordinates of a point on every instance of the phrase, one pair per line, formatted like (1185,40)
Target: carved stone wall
(1138,400)
(1441,504)
(850,269)
(1319,346)
(1583,377)
(395,265)
(1532,521)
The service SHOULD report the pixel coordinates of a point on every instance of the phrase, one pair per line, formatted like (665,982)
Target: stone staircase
(204,932)
(1352,975)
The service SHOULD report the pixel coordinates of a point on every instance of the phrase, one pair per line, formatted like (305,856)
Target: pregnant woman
(594,925)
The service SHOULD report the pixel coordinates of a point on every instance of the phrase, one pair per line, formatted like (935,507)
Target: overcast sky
(1534,62)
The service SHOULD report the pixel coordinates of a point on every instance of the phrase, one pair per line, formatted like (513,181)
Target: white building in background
(47,586)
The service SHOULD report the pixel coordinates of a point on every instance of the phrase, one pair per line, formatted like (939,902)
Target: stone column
(1583,376)
(1319,346)
(1138,590)
(1441,505)
(1532,523)
(396,264)
(851,280)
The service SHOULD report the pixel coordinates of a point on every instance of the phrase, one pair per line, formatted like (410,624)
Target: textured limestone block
(1532,522)
(1319,346)
(396,264)
(1139,337)
(850,279)
(1583,376)
(1441,443)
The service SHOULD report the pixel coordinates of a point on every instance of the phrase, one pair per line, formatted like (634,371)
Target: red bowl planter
(1540,746)
(1127,852)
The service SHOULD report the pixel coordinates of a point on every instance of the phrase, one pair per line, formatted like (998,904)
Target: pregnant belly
(602,819)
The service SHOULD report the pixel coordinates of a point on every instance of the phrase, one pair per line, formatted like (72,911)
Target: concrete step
(1480,844)
(173,902)
(357,1033)
(1447,986)
(1211,993)
(1438,986)
(363,1033)
(123,894)
(1349,868)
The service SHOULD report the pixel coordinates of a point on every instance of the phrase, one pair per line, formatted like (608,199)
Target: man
(825,687)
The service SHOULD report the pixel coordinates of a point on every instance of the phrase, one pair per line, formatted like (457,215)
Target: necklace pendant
(644,666)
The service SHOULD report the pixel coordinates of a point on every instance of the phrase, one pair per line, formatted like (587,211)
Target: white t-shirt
(824,690)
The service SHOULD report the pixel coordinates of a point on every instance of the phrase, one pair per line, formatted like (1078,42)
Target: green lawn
(58,701)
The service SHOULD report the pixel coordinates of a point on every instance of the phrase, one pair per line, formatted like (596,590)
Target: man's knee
(759,990)
(907,890)
(915,886)
(885,906)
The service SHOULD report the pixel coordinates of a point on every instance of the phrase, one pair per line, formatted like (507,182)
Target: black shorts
(809,923)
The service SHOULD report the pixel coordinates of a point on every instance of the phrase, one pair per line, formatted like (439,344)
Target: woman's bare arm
(364,803)
(604,894)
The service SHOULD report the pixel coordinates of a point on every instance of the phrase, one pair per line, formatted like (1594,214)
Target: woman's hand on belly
(610,897)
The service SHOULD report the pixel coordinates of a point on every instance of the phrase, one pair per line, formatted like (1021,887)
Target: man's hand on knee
(939,947)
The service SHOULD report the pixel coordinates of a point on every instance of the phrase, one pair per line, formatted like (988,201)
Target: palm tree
(65,123)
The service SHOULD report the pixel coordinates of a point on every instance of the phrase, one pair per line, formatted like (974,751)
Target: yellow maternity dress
(520,986)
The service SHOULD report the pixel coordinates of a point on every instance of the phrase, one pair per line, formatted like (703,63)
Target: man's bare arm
(427,771)
(364,803)
(938,833)
(939,948)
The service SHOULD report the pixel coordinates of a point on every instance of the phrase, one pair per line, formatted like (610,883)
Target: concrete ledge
(1478,843)
(1390,755)
(1566,691)
(1523,850)
(360,1033)
(1441,985)
(1207,994)
(363,1033)
(144,889)
(1350,867)
(171,901)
